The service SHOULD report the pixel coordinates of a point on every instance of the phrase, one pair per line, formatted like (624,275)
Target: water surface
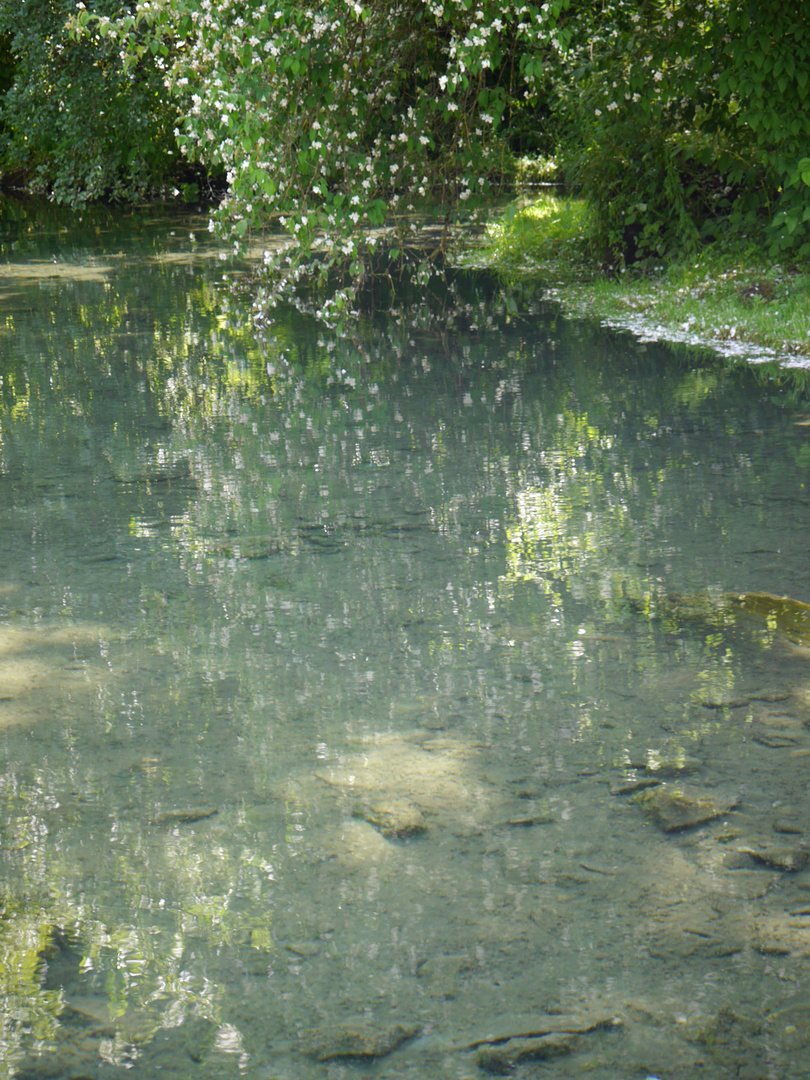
(331,670)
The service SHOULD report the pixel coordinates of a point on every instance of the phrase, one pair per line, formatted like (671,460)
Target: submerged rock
(183,815)
(775,740)
(525,815)
(787,858)
(770,694)
(676,806)
(504,1058)
(523,1026)
(250,547)
(154,472)
(632,784)
(436,774)
(791,1026)
(395,819)
(356,1039)
(728,1036)
(782,935)
(791,617)
(443,974)
(788,826)
(719,701)
(787,617)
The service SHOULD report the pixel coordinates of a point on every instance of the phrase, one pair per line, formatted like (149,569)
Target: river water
(413,704)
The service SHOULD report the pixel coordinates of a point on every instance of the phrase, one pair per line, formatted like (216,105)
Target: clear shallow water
(263,602)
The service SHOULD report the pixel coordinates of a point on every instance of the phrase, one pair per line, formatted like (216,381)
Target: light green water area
(414,705)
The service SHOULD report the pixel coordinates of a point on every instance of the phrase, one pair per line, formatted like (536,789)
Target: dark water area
(414,704)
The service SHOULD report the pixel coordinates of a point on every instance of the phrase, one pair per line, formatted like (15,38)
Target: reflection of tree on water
(436,565)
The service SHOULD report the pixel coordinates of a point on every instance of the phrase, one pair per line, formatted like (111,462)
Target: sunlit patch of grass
(726,298)
(538,237)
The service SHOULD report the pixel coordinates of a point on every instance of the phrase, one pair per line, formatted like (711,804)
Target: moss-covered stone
(505,1057)
(676,806)
(395,819)
(356,1039)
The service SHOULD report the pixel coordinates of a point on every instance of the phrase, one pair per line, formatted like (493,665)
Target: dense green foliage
(73,122)
(692,122)
(348,117)
(342,124)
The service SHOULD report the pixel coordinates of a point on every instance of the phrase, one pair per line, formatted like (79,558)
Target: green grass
(537,237)
(733,300)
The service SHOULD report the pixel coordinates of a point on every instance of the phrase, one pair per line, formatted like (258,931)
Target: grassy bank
(732,300)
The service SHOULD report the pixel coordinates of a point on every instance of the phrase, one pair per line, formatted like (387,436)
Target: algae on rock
(677,806)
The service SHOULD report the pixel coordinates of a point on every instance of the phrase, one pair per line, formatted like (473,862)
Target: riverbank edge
(729,341)
(736,303)
(737,340)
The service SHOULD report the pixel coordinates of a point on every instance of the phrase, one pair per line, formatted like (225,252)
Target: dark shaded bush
(73,122)
(685,122)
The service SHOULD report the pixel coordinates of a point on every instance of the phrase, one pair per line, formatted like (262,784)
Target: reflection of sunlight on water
(229,1040)
(368,740)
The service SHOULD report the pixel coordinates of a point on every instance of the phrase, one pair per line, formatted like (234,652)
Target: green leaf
(376,212)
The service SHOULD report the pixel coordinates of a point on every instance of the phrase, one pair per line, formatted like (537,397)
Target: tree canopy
(341,124)
(339,121)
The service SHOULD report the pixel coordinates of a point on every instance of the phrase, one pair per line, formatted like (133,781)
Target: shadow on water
(416,702)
